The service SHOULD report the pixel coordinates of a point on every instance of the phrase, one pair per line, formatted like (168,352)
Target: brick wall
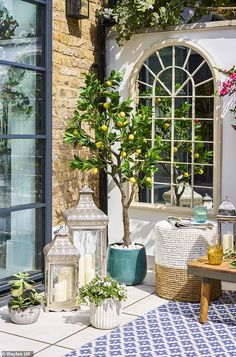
(74,51)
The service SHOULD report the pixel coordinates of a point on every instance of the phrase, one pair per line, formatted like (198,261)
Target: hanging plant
(130,16)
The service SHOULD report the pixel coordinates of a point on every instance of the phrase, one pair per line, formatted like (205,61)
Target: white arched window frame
(172,93)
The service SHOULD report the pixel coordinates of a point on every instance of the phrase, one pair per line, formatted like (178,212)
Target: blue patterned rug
(172,330)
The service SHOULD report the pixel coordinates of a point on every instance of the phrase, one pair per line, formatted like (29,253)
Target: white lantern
(226,219)
(88,228)
(61,273)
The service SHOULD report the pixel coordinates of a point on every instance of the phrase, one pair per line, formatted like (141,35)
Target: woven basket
(176,284)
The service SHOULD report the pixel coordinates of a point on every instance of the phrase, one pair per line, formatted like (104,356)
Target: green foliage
(100,289)
(117,145)
(23,293)
(7,24)
(13,94)
(132,15)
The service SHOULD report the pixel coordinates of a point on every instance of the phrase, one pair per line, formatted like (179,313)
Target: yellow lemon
(108,83)
(201,172)
(104,127)
(106,92)
(125,123)
(138,151)
(131,137)
(95,171)
(132,180)
(158,100)
(119,123)
(148,179)
(106,105)
(175,149)
(122,114)
(75,132)
(196,155)
(186,174)
(99,145)
(123,154)
(166,125)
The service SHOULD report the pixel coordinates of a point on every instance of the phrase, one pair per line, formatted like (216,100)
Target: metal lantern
(78,9)
(88,228)
(207,201)
(226,219)
(61,272)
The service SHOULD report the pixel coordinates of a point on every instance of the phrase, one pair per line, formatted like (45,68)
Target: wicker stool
(174,248)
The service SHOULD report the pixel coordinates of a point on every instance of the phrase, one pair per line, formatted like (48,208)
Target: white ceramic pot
(24,316)
(106,315)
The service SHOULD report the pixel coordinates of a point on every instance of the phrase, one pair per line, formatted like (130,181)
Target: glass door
(25,84)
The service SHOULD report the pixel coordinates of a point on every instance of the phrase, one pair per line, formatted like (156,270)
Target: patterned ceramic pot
(106,315)
(24,316)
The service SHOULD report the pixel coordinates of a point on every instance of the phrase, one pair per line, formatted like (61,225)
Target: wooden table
(200,267)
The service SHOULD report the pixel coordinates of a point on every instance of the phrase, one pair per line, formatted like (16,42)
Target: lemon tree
(116,145)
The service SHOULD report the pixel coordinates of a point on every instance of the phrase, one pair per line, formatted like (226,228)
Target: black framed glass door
(25,135)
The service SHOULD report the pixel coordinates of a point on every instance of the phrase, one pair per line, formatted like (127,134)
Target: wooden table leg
(205,297)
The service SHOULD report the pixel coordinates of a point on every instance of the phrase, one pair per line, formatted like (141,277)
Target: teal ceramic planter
(128,266)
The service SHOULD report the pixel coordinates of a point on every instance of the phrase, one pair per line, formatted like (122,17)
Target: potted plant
(114,135)
(25,304)
(105,296)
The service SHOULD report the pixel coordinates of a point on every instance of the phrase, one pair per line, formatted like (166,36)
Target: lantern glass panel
(62,282)
(90,246)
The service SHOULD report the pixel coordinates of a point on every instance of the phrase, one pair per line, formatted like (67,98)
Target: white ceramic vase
(106,315)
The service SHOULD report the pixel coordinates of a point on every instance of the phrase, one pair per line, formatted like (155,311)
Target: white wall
(219,43)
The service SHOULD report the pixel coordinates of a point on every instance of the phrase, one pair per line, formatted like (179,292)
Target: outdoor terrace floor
(56,333)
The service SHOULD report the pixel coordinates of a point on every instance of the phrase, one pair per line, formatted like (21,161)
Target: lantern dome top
(86,213)
(207,198)
(227,208)
(61,247)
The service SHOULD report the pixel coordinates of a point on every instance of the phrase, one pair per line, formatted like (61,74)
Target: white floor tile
(137,292)
(142,307)
(90,334)
(53,351)
(50,327)
(14,343)
(150,278)
(228,286)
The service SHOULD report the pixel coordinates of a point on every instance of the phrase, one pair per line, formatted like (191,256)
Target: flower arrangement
(100,289)
(228,86)
(23,293)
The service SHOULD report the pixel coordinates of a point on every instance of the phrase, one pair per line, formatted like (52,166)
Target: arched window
(177,83)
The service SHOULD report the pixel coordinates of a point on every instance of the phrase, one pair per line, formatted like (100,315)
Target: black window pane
(20,242)
(21,101)
(21,172)
(21,26)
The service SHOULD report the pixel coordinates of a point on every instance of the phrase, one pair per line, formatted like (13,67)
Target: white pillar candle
(89,267)
(228,241)
(89,274)
(65,274)
(81,271)
(60,291)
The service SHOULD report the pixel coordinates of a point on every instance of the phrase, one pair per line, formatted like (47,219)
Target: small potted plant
(105,296)
(25,304)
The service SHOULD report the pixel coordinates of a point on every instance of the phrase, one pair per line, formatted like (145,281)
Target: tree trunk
(126,238)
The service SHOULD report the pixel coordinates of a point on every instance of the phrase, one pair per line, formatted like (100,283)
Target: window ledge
(169,210)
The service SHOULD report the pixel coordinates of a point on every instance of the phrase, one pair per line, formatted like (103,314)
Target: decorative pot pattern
(24,316)
(106,315)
